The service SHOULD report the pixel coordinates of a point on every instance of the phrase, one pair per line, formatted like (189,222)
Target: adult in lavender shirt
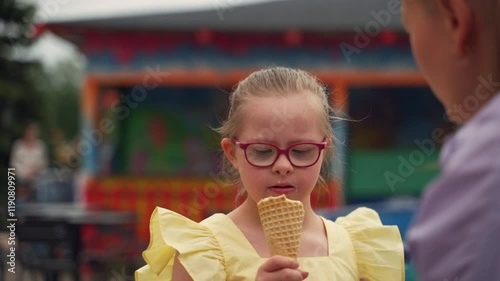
(456,43)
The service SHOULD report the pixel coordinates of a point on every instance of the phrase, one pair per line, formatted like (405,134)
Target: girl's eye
(299,151)
(259,149)
(263,151)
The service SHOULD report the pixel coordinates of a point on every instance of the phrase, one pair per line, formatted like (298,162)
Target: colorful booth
(157,83)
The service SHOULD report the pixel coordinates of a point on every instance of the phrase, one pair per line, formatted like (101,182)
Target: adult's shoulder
(477,144)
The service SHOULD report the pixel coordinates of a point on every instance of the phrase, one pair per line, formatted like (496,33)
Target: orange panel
(209,77)
(89,99)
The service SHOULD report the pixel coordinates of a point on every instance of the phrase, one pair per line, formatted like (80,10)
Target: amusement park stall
(157,84)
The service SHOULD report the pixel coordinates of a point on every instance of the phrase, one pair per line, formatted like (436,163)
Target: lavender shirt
(456,234)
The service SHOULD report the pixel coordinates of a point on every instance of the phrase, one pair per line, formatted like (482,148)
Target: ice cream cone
(282,220)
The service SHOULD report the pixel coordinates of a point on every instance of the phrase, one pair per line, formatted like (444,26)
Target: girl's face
(282,122)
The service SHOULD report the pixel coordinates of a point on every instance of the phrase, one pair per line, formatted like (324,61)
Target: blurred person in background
(60,147)
(455,233)
(29,158)
(56,184)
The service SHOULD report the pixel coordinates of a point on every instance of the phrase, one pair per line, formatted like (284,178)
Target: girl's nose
(282,165)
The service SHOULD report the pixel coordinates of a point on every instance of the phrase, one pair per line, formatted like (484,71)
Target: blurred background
(106,110)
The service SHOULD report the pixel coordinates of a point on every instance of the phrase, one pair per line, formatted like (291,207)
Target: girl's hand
(280,268)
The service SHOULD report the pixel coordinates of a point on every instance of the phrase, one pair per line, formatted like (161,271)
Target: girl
(276,140)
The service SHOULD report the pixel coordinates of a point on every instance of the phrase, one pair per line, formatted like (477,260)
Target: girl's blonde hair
(277,82)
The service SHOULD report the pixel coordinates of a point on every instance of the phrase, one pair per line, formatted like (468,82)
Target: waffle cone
(281,220)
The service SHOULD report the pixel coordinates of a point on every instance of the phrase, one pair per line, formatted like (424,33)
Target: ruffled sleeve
(197,246)
(378,248)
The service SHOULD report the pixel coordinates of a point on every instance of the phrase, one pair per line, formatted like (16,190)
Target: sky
(57,10)
(50,50)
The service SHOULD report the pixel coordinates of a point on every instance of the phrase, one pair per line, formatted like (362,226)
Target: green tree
(28,91)
(61,86)
(61,91)
(20,100)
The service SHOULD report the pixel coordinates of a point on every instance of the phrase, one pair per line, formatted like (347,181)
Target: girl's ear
(229,150)
(330,149)
(329,144)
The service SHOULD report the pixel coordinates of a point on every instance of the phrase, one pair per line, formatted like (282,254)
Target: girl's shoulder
(165,220)
(194,242)
(231,239)
(360,219)
(378,248)
(215,221)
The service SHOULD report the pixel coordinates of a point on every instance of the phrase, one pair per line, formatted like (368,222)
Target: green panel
(376,174)
(165,133)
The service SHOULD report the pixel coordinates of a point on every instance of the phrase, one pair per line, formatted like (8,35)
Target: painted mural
(168,133)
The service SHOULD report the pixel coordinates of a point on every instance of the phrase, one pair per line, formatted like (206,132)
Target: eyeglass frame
(244,145)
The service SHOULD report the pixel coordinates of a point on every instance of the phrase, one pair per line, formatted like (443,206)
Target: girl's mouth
(285,189)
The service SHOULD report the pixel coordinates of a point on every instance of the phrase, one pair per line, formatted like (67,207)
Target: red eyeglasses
(262,154)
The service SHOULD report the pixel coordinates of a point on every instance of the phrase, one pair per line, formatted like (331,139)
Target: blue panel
(87,148)
(191,57)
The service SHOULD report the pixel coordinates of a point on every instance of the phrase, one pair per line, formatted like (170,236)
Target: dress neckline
(235,229)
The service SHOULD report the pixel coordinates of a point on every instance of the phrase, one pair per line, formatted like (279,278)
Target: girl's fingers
(288,274)
(276,263)
(284,274)
(282,269)
(305,274)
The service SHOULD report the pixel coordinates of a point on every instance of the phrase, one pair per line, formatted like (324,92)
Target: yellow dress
(359,246)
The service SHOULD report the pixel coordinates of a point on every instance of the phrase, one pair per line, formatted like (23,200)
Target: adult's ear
(459,19)
(229,150)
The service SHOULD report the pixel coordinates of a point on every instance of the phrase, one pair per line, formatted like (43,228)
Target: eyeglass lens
(299,155)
